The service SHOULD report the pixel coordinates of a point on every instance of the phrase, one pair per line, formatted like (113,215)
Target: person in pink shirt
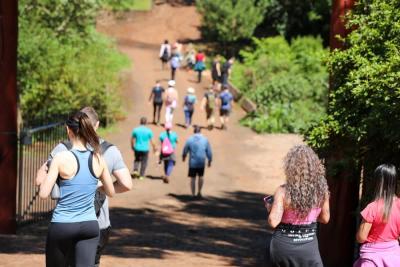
(379,230)
(296,209)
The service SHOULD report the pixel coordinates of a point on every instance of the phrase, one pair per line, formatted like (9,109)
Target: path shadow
(152,177)
(242,243)
(235,232)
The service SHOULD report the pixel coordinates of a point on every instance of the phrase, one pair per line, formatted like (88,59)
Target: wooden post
(8,114)
(337,238)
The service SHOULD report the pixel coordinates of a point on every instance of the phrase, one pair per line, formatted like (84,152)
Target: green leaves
(364,104)
(287,82)
(230,21)
(62,71)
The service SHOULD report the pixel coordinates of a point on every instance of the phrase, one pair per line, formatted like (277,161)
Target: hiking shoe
(165,180)
(199,196)
(134,174)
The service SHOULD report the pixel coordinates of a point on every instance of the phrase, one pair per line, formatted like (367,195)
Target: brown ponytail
(82,127)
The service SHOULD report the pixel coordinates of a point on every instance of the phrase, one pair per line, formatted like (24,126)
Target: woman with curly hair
(297,207)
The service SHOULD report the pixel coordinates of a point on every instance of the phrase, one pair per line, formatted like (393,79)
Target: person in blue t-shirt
(142,137)
(170,158)
(199,149)
(225,106)
(188,106)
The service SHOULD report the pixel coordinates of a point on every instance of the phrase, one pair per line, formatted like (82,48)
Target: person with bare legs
(208,105)
(165,53)
(199,149)
(225,106)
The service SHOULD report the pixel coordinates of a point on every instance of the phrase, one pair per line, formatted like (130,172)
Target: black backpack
(99,197)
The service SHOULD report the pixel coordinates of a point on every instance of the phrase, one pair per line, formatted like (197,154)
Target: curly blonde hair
(306,185)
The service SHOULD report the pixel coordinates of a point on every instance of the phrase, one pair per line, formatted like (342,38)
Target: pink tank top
(290,217)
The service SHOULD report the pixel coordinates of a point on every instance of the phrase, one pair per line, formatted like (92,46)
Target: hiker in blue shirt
(142,136)
(225,106)
(199,150)
(169,140)
(188,106)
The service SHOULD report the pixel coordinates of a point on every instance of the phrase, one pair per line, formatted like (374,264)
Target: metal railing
(35,144)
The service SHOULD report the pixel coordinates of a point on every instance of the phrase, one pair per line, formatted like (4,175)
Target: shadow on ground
(236,230)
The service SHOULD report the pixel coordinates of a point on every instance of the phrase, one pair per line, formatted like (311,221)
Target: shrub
(62,71)
(288,82)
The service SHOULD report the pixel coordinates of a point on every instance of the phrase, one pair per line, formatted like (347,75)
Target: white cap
(171,83)
(190,90)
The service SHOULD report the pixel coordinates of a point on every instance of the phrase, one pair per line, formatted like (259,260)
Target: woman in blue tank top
(74,228)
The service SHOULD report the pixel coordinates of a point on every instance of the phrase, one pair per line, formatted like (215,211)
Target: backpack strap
(104,146)
(67,144)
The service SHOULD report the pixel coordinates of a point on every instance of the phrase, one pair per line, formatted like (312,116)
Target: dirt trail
(160,225)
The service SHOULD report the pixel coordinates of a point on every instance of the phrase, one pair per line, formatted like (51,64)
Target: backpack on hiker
(166,147)
(210,101)
(100,197)
(165,55)
(175,62)
(189,103)
(225,99)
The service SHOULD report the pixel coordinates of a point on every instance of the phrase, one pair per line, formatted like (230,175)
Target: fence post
(8,114)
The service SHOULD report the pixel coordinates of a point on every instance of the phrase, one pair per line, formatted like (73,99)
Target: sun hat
(171,83)
(190,90)
(168,126)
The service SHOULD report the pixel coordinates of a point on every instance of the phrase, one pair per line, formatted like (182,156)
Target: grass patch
(128,5)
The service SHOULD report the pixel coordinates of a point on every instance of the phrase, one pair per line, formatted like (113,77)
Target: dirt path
(160,225)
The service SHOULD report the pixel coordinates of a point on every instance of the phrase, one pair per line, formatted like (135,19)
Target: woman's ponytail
(82,127)
(87,132)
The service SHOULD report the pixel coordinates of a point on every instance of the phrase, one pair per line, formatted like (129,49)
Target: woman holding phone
(74,227)
(297,207)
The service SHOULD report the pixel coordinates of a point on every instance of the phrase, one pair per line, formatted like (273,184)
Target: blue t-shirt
(190,100)
(226,100)
(142,136)
(199,150)
(173,138)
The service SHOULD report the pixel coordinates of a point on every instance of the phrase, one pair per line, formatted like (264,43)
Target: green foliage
(292,18)
(364,107)
(287,82)
(230,20)
(125,5)
(62,71)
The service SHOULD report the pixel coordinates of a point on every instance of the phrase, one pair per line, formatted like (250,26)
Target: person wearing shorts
(225,108)
(199,150)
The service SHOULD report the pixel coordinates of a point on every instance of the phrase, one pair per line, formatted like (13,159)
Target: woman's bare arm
(363,231)
(47,184)
(325,214)
(275,216)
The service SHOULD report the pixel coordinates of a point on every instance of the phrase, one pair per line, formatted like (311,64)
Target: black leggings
(80,238)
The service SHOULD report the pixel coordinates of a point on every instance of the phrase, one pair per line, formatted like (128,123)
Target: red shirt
(381,231)
(200,57)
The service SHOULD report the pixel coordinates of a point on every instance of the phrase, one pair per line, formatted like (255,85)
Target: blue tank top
(76,203)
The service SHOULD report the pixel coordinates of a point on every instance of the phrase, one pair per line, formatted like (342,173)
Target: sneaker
(199,196)
(135,174)
(141,177)
(210,127)
(165,180)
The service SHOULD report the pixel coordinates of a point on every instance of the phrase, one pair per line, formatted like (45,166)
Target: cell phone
(268,199)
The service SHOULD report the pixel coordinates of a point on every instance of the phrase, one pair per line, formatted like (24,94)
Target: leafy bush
(287,82)
(364,107)
(230,20)
(293,18)
(64,70)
